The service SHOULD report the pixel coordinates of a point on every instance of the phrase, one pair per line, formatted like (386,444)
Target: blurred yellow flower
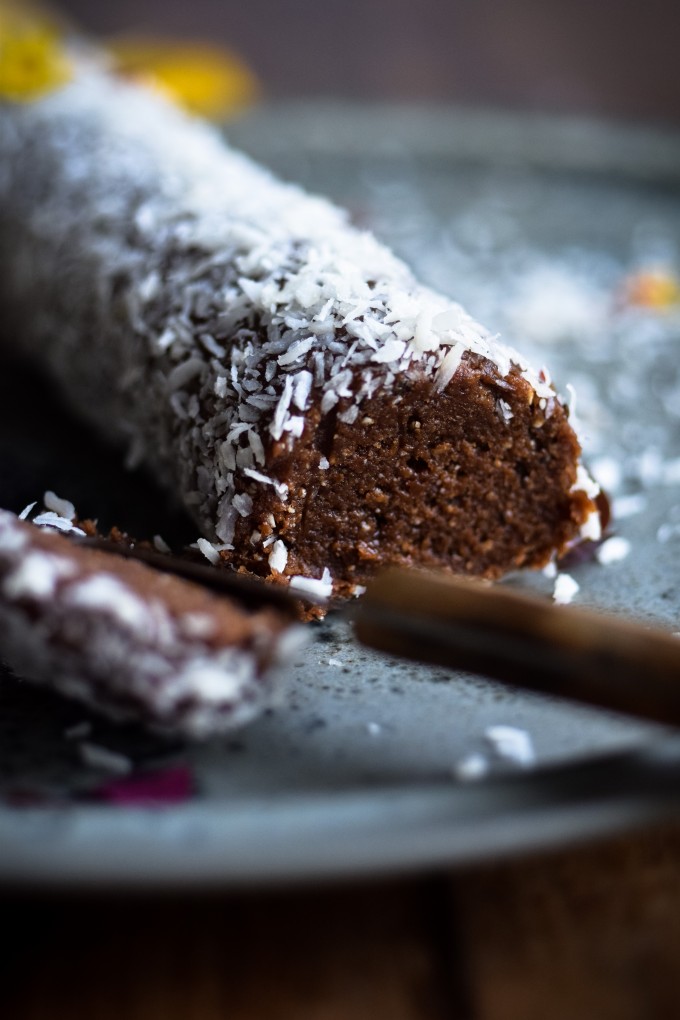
(33,59)
(202,78)
(656,289)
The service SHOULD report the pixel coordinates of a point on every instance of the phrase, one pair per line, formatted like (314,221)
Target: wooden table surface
(592,932)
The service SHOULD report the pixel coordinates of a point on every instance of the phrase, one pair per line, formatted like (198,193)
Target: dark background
(606,57)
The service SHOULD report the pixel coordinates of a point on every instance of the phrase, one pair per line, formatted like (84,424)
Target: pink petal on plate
(149,789)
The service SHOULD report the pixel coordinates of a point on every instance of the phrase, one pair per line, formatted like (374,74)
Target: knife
(521,640)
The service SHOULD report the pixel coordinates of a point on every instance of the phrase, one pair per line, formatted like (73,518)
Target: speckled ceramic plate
(548,231)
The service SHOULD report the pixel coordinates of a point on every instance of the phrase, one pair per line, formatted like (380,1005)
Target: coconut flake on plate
(565,588)
(613,550)
(512,744)
(471,767)
(50,519)
(98,757)
(62,507)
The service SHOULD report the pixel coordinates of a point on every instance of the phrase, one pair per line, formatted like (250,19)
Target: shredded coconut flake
(242,503)
(390,351)
(78,731)
(591,529)
(505,410)
(448,367)
(62,507)
(278,557)
(667,531)
(197,625)
(511,744)
(102,758)
(106,593)
(608,473)
(321,588)
(584,483)
(628,506)
(209,551)
(53,520)
(37,575)
(184,373)
(296,351)
(613,550)
(471,767)
(565,589)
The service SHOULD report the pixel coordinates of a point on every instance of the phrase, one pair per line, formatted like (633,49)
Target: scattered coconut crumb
(197,625)
(209,551)
(666,532)
(614,549)
(670,474)
(628,506)
(553,304)
(321,588)
(473,766)
(54,520)
(26,511)
(62,507)
(160,544)
(335,662)
(278,557)
(511,744)
(651,469)
(78,731)
(584,483)
(505,411)
(591,529)
(550,570)
(607,472)
(98,757)
(565,589)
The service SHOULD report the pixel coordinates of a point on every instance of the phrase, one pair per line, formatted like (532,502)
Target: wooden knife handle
(524,641)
